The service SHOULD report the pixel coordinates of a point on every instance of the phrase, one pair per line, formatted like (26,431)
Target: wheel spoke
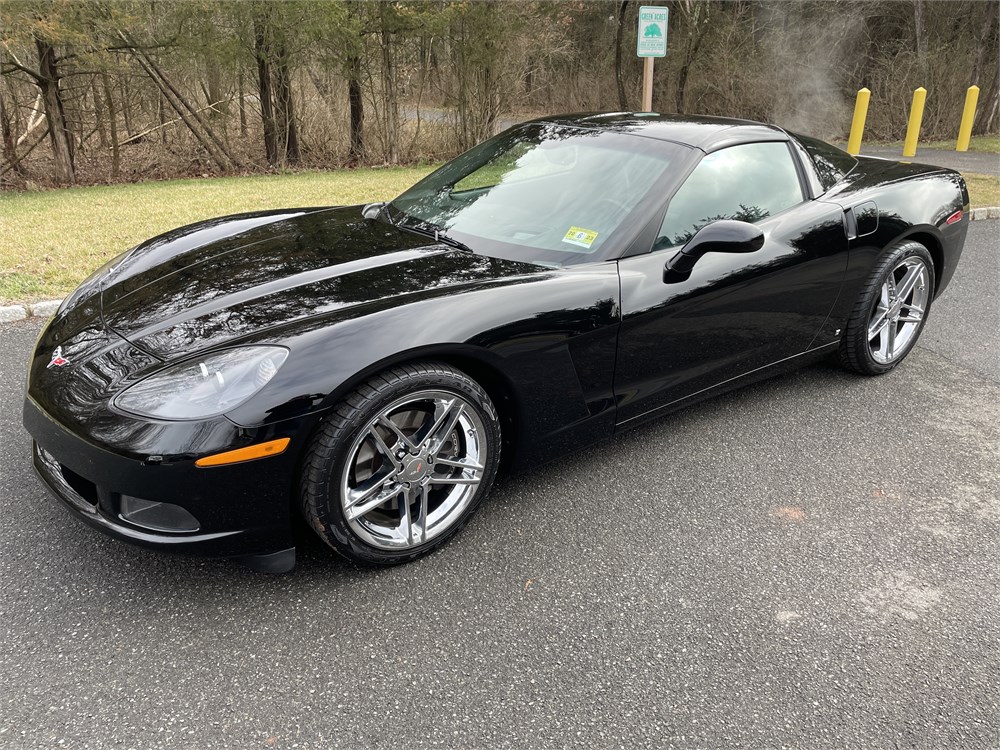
(442,427)
(909,281)
(385,421)
(453,480)
(464,463)
(420,532)
(364,502)
(384,449)
(878,325)
(367,488)
(405,523)
(888,341)
(890,286)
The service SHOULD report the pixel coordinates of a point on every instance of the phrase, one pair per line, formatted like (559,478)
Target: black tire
(855,347)
(335,443)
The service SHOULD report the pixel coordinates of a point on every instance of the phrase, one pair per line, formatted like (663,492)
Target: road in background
(811,562)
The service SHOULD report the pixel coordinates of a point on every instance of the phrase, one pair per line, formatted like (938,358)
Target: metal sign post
(651,43)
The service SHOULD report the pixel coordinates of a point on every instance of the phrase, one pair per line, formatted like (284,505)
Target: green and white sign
(652,31)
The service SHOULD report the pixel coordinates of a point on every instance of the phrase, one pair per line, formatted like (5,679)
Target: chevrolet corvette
(369,369)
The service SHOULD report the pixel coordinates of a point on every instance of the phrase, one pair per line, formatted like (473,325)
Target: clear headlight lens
(205,387)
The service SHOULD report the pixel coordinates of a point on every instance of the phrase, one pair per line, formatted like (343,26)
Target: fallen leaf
(789,513)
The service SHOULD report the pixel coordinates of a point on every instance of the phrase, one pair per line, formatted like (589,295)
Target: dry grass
(984,189)
(51,240)
(985,144)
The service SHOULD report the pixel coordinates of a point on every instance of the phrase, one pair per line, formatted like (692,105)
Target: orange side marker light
(261,450)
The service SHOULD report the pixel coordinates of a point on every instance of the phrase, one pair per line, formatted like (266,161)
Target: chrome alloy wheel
(413,470)
(899,311)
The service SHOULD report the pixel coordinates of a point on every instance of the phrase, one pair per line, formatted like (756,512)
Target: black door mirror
(723,236)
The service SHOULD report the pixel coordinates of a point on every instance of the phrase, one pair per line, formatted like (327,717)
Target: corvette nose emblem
(57,358)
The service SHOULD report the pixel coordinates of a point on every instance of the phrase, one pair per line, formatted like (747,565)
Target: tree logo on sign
(652,29)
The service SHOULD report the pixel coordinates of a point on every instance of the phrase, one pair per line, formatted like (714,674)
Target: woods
(109,91)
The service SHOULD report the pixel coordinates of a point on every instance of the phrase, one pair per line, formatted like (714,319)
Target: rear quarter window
(831,163)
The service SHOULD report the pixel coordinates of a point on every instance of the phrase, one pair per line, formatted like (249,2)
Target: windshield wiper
(441,237)
(430,230)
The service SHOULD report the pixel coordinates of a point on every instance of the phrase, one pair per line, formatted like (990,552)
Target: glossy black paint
(567,354)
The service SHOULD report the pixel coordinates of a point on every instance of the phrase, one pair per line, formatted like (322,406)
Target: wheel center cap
(896,308)
(414,469)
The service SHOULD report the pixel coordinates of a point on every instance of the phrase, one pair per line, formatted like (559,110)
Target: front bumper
(241,510)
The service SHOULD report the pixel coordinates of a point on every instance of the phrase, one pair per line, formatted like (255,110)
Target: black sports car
(370,368)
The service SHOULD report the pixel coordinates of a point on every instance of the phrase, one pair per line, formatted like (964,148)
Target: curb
(11,313)
(978,214)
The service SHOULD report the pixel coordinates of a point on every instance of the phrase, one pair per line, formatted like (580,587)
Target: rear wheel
(401,464)
(891,311)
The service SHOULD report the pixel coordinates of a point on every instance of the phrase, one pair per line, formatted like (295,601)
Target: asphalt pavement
(811,562)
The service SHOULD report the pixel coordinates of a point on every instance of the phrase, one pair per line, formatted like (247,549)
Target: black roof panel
(706,133)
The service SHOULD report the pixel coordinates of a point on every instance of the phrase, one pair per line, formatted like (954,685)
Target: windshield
(540,193)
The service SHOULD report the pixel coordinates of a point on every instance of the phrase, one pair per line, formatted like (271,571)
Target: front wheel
(891,311)
(401,464)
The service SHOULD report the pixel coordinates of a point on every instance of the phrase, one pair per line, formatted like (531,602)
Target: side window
(831,163)
(748,182)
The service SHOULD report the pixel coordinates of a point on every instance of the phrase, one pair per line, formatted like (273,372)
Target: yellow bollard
(858,123)
(968,115)
(916,115)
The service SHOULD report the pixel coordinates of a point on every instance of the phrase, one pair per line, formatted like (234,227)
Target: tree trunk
(9,150)
(391,105)
(62,145)
(126,106)
(619,73)
(243,108)
(99,119)
(161,117)
(262,54)
(109,102)
(989,96)
(356,152)
(288,136)
(920,36)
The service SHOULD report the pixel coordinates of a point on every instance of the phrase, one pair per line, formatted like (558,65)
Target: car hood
(239,277)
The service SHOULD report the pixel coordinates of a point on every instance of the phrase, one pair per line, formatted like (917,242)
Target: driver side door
(737,312)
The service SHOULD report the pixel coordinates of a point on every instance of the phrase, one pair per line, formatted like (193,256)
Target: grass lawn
(986,144)
(984,189)
(51,240)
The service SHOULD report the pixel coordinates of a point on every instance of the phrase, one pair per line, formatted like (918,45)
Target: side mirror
(723,236)
(372,210)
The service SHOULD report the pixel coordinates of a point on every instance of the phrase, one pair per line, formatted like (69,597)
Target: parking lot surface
(811,562)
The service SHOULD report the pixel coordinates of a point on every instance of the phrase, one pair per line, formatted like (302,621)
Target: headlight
(205,387)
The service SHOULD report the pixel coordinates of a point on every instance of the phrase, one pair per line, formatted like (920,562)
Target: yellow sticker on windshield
(579,236)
